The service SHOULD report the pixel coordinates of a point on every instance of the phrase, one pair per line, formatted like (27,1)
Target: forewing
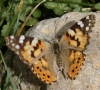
(27,48)
(77,36)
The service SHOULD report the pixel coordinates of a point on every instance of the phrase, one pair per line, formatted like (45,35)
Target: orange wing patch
(77,38)
(30,52)
(77,60)
(40,68)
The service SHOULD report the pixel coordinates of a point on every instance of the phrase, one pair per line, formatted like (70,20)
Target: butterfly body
(48,59)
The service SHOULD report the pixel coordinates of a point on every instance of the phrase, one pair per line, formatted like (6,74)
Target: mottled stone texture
(89,76)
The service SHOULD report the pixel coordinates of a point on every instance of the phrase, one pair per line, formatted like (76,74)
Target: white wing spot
(34,41)
(80,23)
(13,44)
(22,37)
(87,17)
(20,41)
(89,24)
(87,28)
(12,37)
(71,32)
(89,20)
(11,41)
(17,47)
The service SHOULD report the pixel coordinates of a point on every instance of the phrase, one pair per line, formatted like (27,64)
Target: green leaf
(73,5)
(73,1)
(97,6)
(1,39)
(28,1)
(31,22)
(5,28)
(5,14)
(1,22)
(77,8)
(37,13)
(50,5)
(61,6)
(58,8)
(58,11)
(16,8)
(25,11)
(67,8)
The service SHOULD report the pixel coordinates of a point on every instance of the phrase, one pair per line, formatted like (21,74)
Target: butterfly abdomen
(60,63)
(57,52)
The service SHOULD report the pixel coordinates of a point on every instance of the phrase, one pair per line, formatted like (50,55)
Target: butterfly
(47,59)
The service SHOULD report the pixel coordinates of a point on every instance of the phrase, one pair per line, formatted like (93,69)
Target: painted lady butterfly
(47,59)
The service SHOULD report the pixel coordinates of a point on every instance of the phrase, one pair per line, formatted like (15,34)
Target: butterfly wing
(77,60)
(44,69)
(28,48)
(75,40)
(77,35)
(35,53)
